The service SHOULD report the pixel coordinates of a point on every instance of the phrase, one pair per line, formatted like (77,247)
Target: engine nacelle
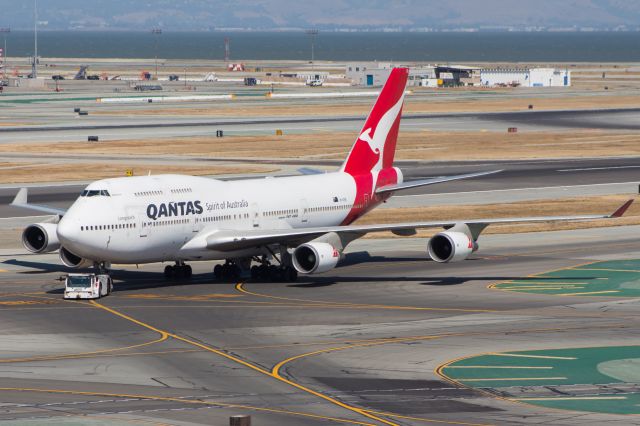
(450,246)
(315,257)
(71,260)
(41,238)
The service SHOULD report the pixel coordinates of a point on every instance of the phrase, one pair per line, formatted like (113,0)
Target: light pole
(156,32)
(313,33)
(34,67)
(4,32)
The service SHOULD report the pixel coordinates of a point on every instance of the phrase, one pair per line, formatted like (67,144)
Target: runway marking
(548,282)
(26,302)
(162,338)
(589,292)
(500,367)
(278,367)
(248,365)
(604,286)
(572,398)
(509,379)
(540,288)
(532,356)
(240,288)
(605,269)
(598,168)
(185,401)
(203,297)
(106,355)
(421,419)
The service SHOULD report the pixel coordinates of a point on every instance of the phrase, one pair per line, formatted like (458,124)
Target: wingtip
(21,197)
(622,209)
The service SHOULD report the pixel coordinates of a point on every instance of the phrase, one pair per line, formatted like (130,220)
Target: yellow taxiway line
(248,365)
(240,288)
(185,401)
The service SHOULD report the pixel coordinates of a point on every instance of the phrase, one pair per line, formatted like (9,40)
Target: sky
(327,15)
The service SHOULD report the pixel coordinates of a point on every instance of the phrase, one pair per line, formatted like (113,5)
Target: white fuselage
(150,218)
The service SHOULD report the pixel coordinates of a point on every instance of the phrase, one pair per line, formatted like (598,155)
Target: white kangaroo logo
(377,141)
(366,137)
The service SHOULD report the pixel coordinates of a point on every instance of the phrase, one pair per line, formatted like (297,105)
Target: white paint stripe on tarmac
(598,168)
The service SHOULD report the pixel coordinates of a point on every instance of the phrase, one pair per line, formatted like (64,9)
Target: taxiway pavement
(357,345)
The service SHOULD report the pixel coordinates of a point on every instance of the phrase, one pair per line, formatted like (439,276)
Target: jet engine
(315,257)
(71,260)
(41,238)
(451,246)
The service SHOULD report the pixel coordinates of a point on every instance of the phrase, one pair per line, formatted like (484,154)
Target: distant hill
(329,14)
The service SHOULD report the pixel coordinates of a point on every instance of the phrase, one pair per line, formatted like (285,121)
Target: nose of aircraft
(66,230)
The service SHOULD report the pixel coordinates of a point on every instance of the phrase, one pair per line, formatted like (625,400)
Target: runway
(361,344)
(65,126)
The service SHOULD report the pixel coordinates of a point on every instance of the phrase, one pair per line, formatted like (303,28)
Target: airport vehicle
(314,83)
(281,225)
(57,77)
(87,286)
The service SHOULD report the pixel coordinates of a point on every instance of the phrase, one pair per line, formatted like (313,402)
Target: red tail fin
(375,147)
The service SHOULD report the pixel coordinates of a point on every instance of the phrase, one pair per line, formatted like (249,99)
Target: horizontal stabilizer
(310,171)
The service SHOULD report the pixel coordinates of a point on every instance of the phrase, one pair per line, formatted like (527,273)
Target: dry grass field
(418,145)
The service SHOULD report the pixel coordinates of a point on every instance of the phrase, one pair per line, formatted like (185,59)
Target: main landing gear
(178,271)
(269,272)
(236,269)
(227,272)
(274,273)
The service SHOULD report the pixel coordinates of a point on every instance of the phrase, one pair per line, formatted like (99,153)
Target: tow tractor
(87,286)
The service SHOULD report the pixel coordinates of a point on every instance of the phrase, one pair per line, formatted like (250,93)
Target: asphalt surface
(619,119)
(360,344)
(63,125)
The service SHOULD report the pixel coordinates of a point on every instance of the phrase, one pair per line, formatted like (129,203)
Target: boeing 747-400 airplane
(281,225)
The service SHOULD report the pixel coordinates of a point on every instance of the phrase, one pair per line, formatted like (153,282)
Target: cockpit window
(95,193)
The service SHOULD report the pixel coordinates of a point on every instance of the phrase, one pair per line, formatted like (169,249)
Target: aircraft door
(139,213)
(254,215)
(143,223)
(304,211)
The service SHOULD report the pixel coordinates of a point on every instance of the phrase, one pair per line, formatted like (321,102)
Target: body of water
(430,47)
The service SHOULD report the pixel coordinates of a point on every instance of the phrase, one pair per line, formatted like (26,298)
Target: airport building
(533,77)
(375,74)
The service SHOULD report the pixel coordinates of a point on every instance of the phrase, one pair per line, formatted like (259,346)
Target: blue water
(440,47)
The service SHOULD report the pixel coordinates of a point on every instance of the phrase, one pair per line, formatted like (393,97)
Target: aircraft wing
(21,200)
(432,181)
(230,240)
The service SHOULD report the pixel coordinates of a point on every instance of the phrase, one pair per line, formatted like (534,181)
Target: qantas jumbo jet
(283,225)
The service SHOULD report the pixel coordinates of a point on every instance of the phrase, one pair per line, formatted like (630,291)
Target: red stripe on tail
(375,147)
